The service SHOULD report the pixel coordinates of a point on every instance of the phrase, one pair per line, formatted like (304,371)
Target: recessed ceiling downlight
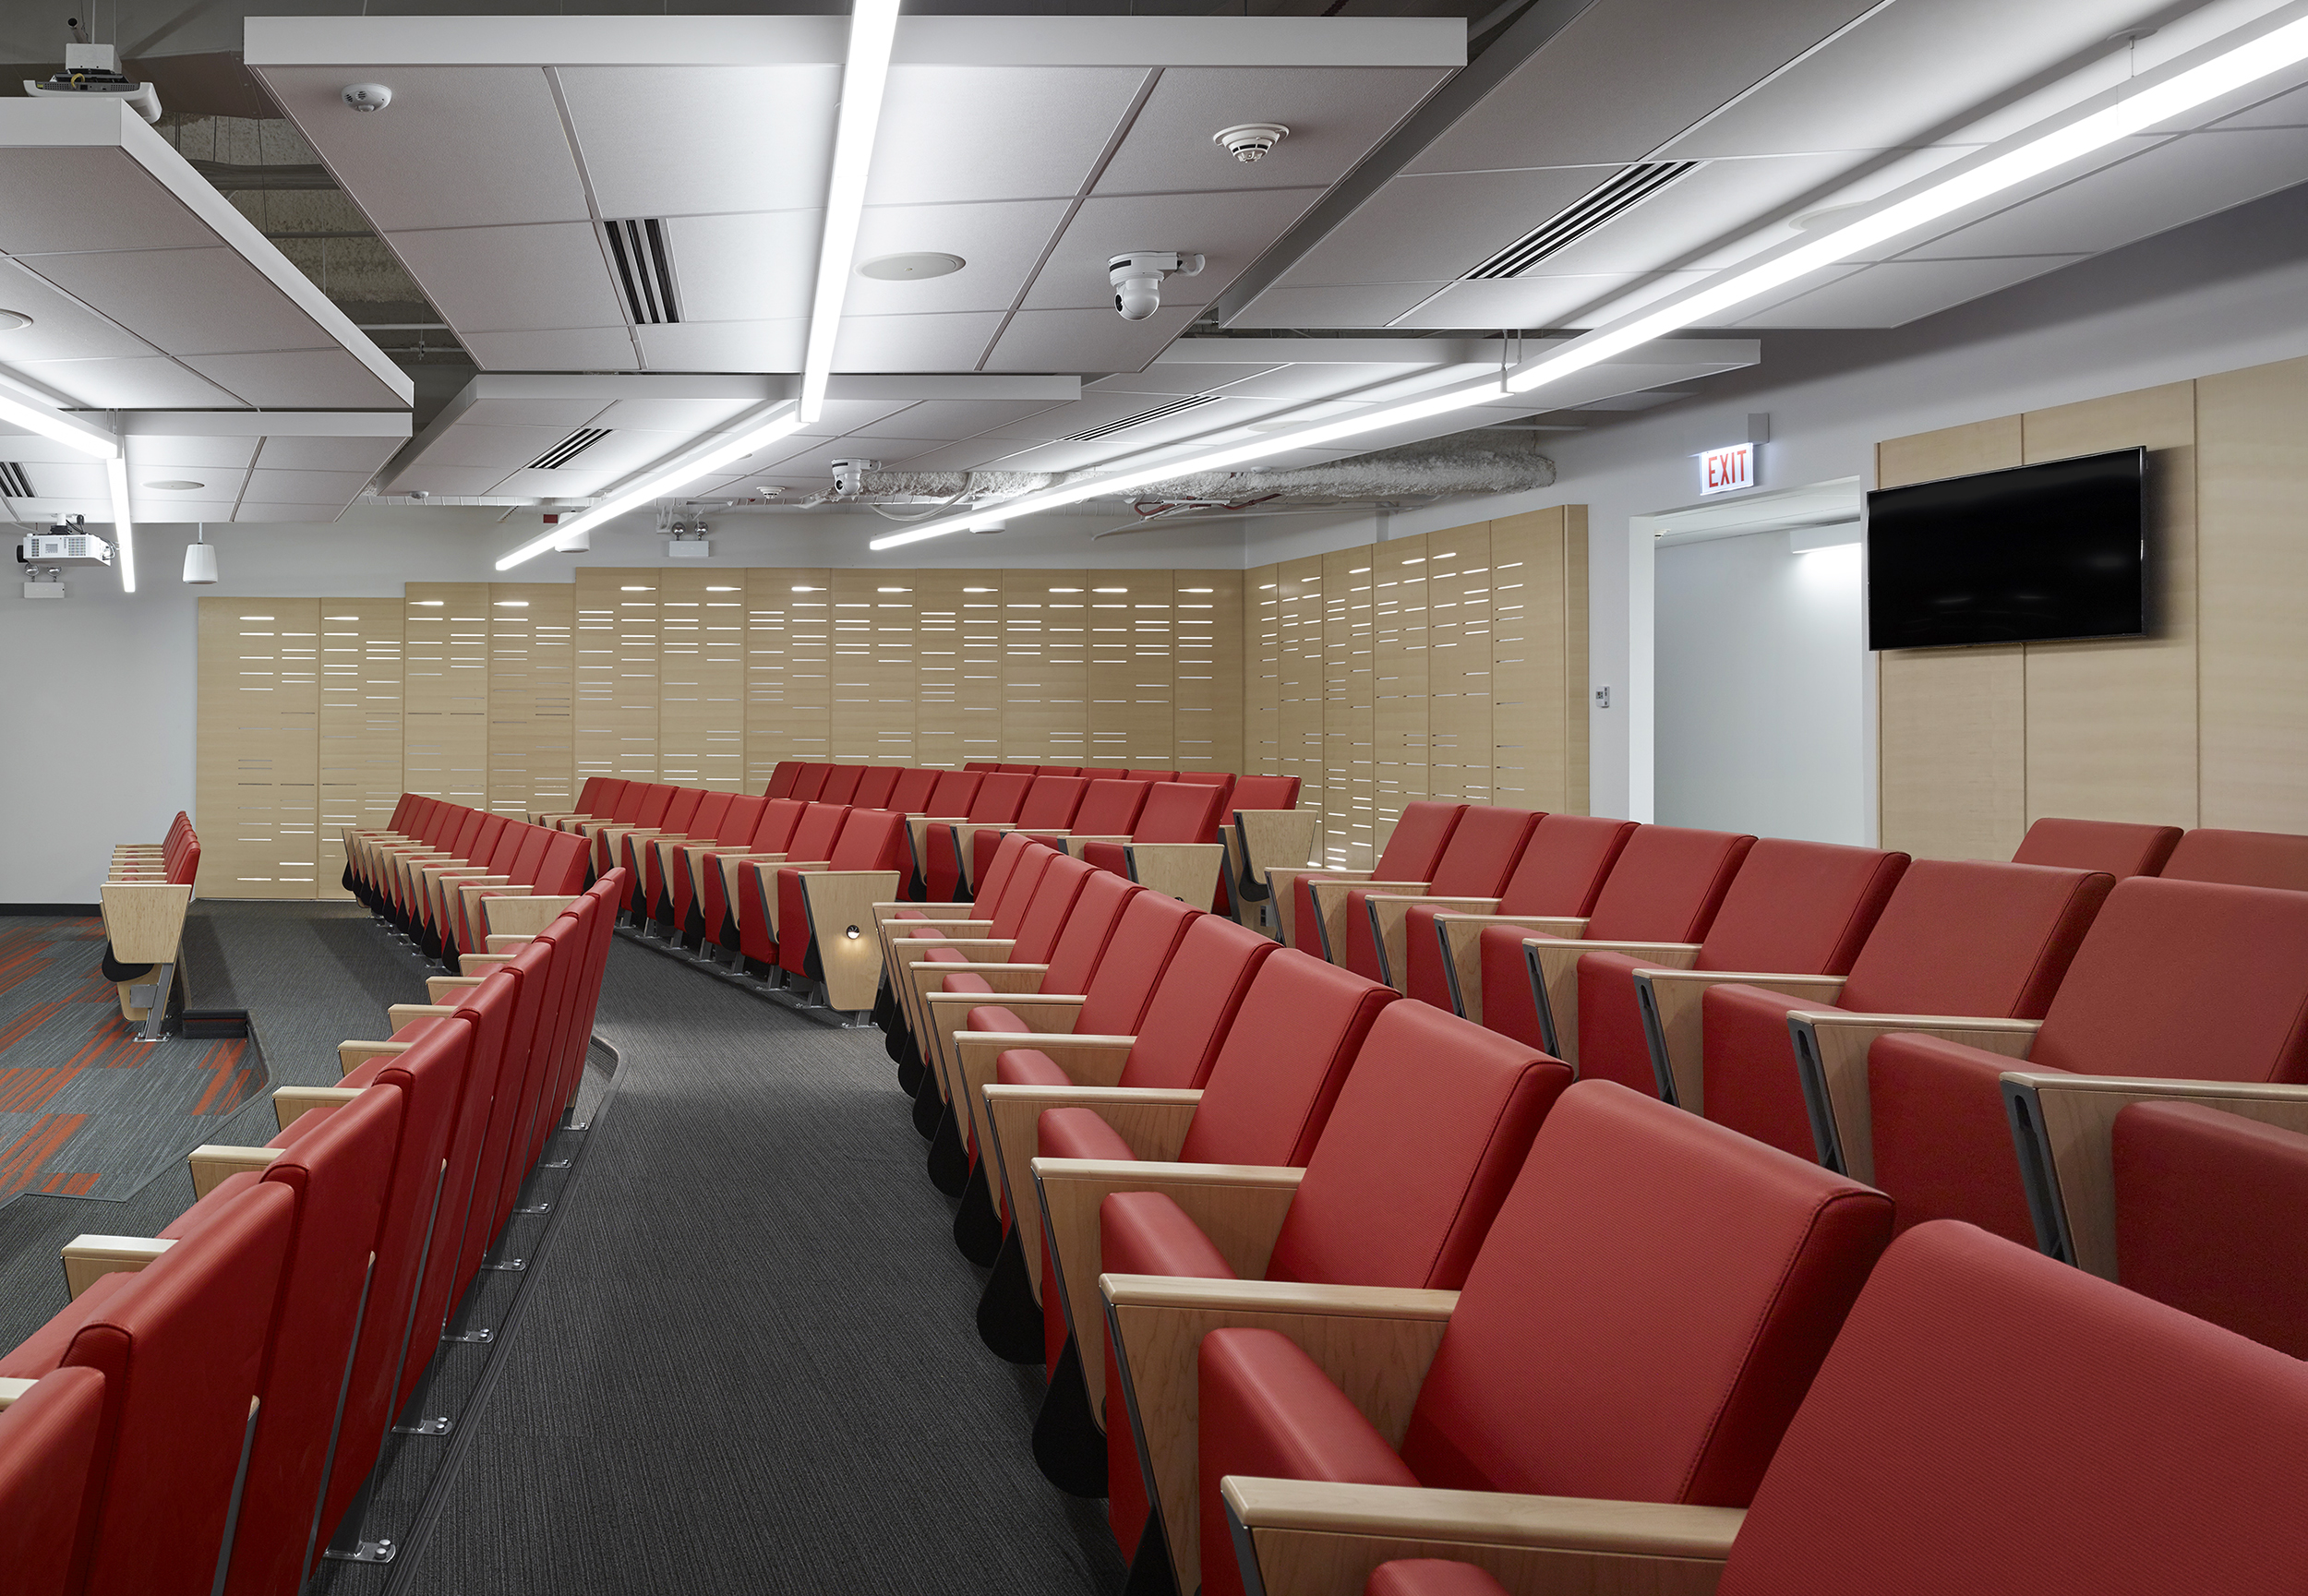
(12,320)
(176,485)
(910,268)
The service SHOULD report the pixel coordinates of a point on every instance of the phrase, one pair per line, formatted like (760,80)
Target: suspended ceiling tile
(62,329)
(362,454)
(513,279)
(563,415)
(458,147)
(1086,340)
(1423,229)
(1893,293)
(964,418)
(1540,300)
(1367,305)
(818,458)
(675,415)
(82,478)
(503,448)
(147,455)
(50,189)
(564,349)
(293,379)
(312,514)
(446,481)
(951,341)
(969,455)
(1001,244)
(961,134)
(167,510)
(1229,229)
(580,478)
(154,380)
(1313,380)
(303,486)
(1336,116)
(694,140)
(724,345)
(753,268)
(1680,222)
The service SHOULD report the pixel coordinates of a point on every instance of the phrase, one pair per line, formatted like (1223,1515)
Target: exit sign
(1726,469)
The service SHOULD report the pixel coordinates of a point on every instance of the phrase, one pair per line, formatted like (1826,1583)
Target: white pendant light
(199,556)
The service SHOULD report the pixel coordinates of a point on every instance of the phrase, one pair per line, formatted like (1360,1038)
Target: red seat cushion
(1077,1134)
(2118,847)
(1195,1008)
(1272,1084)
(1941,1135)
(2240,858)
(1561,870)
(48,1439)
(1028,1067)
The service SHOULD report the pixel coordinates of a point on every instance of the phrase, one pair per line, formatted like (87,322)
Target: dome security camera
(366,96)
(1138,278)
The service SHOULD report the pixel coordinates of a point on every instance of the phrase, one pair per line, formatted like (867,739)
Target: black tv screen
(2021,556)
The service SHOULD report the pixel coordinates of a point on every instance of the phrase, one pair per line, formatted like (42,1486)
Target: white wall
(1762,682)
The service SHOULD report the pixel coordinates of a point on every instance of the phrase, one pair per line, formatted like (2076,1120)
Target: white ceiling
(242,466)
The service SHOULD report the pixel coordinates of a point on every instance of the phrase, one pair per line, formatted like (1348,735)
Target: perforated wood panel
(617,667)
(873,667)
(1206,693)
(445,701)
(1262,669)
(360,721)
(701,684)
(1298,684)
(531,698)
(1539,660)
(256,786)
(1349,767)
(788,692)
(939,733)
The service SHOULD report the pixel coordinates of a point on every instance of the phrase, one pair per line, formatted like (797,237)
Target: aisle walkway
(747,1361)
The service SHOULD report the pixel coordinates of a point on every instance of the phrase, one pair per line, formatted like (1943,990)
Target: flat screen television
(2027,555)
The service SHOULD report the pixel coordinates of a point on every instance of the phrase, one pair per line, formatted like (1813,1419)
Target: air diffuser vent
(568,449)
(1193,402)
(1629,189)
(14,484)
(644,269)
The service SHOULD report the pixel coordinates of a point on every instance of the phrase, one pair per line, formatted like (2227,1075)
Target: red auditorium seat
(875,787)
(1103,773)
(559,872)
(998,800)
(841,783)
(1477,863)
(2240,858)
(1957,937)
(670,891)
(180,1345)
(983,767)
(48,1434)
(910,795)
(812,843)
(910,933)
(1151,775)
(2116,846)
(1988,1421)
(1262,796)
(782,776)
(1417,841)
(1047,809)
(1560,875)
(1173,847)
(2175,980)
(812,906)
(1429,1131)
(1641,1324)
(713,869)
(639,854)
(950,802)
(809,782)
(1802,908)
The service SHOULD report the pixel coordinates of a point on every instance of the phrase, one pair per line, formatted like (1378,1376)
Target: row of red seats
(1345,1258)
(435,863)
(204,1412)
(174,860)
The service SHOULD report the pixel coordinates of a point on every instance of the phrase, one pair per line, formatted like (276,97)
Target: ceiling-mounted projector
(95,69)
(66,542)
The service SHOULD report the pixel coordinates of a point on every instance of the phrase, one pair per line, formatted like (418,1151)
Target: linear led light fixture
(873,32)
(59,428)
(749,434)
(124,524)
(2226,64)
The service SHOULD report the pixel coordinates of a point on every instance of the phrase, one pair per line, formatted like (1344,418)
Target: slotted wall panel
(1299,678)
(1347,708)
(979,695)
(360,718)
(255,783)
(1262,671)
(531,698)
(1458,668)
(872,667)
(1130,639)
(938,716)
(786,705)
(1207,697)
(1044,668)
(1539,660)
(1400,703)
(701,681)
(618,666)
(446,695)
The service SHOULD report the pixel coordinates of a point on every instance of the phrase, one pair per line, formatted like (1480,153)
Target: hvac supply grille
(1194,402)
(14,484)
(644,269)
(1567,226)
(568,449)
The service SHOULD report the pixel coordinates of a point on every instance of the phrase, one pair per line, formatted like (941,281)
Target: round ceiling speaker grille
(908,268)
(12,320)
(176,485)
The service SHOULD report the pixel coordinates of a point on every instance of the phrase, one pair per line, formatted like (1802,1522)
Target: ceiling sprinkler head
(1250,142)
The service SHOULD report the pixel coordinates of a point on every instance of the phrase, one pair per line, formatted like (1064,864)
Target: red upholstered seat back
(1417,841)
(813,836)
(1015,769)
(739,819)
(562,868)
(1194,1001)
(48,1439)
(1973,937)
(1110,808)
(955,791)
(780,816)
(589,793)
(1178,812)
(994,879)
(402,811)
(612,796)
(1992,1421)
(681,808)
(510,840)
(1223,781)
(870,840)
(1050,803)
(1046,910)
(2240,858)
(2212,1218)
(781,778)
(1429,1132)
(841,783)
(711,809)
(1565,863)
(1088,929)
(1151,775)
(1042,769)
(483,843)
(1481,852)
(2186,979)
(1804,907)
(2116,846)
(981,765)
(469,824)
(999,796)
(1647,1312)
(1102,773)
(1271,1086)
(1667,885)
(657,801)
(1266,792)
(809,782)
(875,787)
(910,795)
(1145,939)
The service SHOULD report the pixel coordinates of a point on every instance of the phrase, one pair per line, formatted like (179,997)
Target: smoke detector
(365,96)
(1250,142)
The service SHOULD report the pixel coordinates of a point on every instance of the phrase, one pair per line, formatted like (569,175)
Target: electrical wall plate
(43,590)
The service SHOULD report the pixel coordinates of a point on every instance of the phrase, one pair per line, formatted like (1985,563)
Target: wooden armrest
(1373,1342)
(88,1259)
(837,903)
(1188,871)
(925,972)
(1276,839)
(1672,1002)
(211,1163)
(530,914)
(144,920)
(1553,965)
(12,1390)
(944,1013)
(1830,1057)
(1151,1120)
(1389,915)
(971,1059)
(1076,844)
(351,1056)
(402,1013)
(293,1103)
(1314,1538)
(437,988)
(505,941)
(1024,979)
(2064,1125)
(485,963)
(1462,938)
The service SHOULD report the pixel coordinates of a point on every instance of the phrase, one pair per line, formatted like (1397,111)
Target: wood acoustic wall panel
(1458,668)
(2111,725)
(2252,481)
(1538,649)
(874,667)
(617,664)
(979,692)
(446,695)
(1348,769)
(1129,642)
(1299,648)
(1044,668)
(1206,670)
(256,784)
(1953,722)
(1401,708)
(700,683)
(531,744)
(360,720)
(787,653)
(1261,678)
(938,736)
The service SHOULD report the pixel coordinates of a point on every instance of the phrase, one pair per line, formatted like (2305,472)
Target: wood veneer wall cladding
(361,721)
(256,792)
(1450,665)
